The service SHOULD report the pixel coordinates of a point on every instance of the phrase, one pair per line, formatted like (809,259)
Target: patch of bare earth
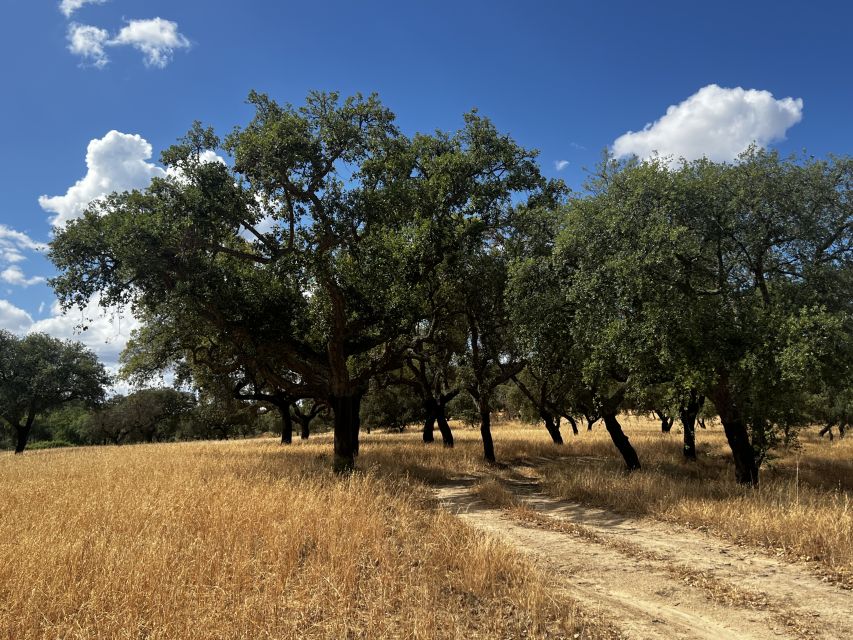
(653,579)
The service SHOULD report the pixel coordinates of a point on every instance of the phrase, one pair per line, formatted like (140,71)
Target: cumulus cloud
(14,319)
(116,162)
(559,165)
(67,7)
(156,38)
(106,330)
(714,122)
(13,244)
(13,275)
(88,42)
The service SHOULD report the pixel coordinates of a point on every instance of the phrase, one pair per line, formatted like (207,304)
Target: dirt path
(655,580)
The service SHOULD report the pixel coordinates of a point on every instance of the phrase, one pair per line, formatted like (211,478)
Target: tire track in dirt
(628,567)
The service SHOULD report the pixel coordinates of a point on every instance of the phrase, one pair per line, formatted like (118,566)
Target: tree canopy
(332,256)
(39,373)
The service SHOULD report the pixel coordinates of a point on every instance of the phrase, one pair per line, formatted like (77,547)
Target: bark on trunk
(746,467)
(22,433)
(687,415)
(444,427)
(620,440)
(665,422)
(286,424)
(573,423)
(345,411)
(430,409)
(304,431)
(551,426)
(486,429)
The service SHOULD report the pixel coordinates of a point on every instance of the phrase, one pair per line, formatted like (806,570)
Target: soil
(656,580)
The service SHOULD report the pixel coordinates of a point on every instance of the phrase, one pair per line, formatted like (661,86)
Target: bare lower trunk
(22,435)
(665,421)
(304,428)
(573,423)
(444,427)
(620,440)
(345,411)
(22,432)
(551,426)
(286,424)
(687,415)
(746,466)
(486,428)
(430,409)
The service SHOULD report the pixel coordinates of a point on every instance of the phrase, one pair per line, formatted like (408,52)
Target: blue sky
(568,78)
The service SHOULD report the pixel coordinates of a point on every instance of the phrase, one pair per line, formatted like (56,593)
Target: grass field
(251,539)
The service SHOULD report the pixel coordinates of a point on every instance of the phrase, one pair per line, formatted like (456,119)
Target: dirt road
(656,580)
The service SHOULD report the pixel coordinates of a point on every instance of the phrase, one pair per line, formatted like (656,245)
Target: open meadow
(253,539)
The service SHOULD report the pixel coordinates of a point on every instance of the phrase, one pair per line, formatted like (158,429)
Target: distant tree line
(336,259)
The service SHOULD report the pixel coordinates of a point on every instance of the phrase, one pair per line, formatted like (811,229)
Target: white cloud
(714,122)
(559,165)
(14,319)
(13,275)
(204,157)
(19,238)
(156,38)
(68,7)
(88,42)
(106,330)
(116,162)
(14,243)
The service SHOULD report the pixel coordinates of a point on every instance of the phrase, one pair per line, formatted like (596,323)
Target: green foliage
(49,444)
(39,373)
(726,278)
(391,407)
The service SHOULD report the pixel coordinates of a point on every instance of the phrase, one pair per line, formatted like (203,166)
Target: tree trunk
(621,441)
(687,415)
(665,422)
(304,431)
(430,409)
(486,429)
(22,431)
(345,410)
(746,467)
(286,424)
(444,427)
(573,423)
(552,427)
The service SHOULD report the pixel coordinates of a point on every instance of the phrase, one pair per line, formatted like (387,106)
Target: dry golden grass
(252,540)
(803,508)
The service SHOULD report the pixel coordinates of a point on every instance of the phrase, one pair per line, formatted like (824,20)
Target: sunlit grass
(250,539)
(802,509)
